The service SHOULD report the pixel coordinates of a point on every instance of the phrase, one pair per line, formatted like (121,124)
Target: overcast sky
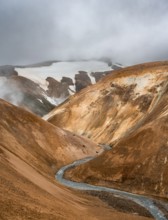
(128,31)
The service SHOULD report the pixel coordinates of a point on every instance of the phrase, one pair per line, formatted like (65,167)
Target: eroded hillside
(31,151)
(138,162)
(116,105)
(128,109)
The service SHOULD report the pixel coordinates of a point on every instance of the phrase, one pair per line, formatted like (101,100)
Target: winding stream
(144,201)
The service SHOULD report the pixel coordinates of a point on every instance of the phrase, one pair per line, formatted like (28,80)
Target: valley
(119,122)
(83,110)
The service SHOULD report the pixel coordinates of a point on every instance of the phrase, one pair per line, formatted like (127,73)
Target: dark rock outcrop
(97,75)
(82,80)
(67,80)
(100,75)
(116,67)
(57,89)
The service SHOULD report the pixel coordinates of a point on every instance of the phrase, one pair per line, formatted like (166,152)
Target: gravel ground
(121,204)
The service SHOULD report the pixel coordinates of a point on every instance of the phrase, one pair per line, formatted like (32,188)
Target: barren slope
(29,137)
(138,162)
(112,108)
(31,150)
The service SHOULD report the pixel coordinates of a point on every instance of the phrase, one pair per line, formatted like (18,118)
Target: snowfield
(60,69)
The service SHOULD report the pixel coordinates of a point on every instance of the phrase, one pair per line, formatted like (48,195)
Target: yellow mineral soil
(137,129)
(31,151)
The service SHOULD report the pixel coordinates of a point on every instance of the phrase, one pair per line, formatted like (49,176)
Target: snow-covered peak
(59,69)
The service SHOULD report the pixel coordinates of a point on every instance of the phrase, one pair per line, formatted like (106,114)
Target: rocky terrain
(110,109)
(31,150)
(129,111)
(82,80)
(40,87)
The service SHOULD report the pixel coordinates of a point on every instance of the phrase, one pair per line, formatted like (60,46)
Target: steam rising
(127,31)
(9,92)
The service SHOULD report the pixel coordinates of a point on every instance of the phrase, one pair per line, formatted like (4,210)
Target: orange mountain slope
(31,150)
(114,107)
(129,110)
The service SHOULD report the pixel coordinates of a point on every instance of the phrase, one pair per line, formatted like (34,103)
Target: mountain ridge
(136,107)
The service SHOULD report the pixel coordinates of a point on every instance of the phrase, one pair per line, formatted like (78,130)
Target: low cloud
(10,92)
(127,31)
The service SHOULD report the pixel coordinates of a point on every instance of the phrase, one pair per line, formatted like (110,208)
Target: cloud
(128,31)
(10,92)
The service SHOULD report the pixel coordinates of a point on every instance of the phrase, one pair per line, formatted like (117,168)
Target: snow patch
(40,100)
(60,69)
(55,101)
(141,82)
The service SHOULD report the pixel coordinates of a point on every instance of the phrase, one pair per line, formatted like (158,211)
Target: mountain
(128,110)
(112,108)
(31,151)
(25,93)
(40,87)
(23,132)
(59,70)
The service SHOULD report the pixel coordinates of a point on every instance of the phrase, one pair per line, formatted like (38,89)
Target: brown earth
(108,110)
(129,110)
(31,150)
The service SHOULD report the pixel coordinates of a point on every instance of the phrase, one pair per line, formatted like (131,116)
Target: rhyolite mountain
(128,110)
(31,151)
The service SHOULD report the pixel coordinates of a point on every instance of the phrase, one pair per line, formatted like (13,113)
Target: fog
(10,92)
(127,31)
